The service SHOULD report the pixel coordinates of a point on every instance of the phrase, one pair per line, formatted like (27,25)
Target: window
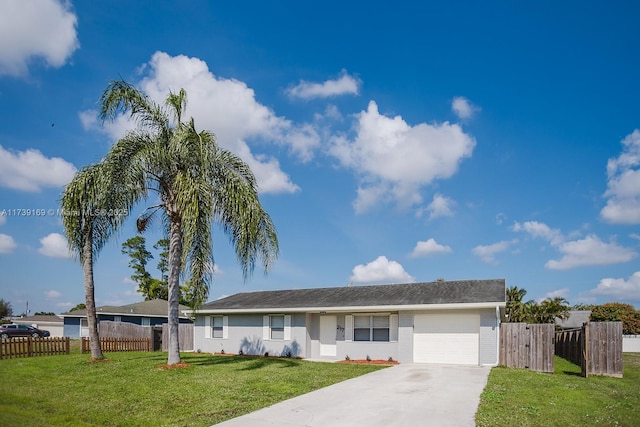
(117,318)
(371,328)
(146,321)
(216,327)
(277,327)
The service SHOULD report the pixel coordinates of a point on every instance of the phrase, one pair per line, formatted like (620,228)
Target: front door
(328,326)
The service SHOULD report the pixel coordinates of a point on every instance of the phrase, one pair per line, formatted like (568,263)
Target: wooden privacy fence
(596,347)
(118,344)
(109,329)
(528,346)
(157,335)
(29,347)
(185,336)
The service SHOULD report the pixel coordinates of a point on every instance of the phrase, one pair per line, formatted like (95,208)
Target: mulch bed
(370,362)
(174,366)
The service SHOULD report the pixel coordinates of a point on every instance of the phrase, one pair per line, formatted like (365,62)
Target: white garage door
(446,338)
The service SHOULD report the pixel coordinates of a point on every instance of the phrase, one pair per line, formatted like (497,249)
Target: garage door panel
(446,338)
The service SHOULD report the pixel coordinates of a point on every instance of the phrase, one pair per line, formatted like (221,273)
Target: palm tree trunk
(175,263)
(90,301)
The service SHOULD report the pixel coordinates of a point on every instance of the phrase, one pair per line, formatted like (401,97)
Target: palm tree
(516,310)
(551,308)
(196,182)
(89,220)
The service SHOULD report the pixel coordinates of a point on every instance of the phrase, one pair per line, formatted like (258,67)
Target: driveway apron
(403,395)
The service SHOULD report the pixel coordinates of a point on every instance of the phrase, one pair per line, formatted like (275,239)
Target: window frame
(267,328)
(209,325)
(371,328)
(217,331)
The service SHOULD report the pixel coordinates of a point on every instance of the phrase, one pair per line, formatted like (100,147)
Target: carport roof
(442,292)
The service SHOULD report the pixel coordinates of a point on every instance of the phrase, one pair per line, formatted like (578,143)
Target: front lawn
(517,397)
(132,389)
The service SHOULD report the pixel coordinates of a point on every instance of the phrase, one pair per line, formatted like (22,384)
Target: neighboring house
(146,313)
(454,322)
(53,324)
(575,320)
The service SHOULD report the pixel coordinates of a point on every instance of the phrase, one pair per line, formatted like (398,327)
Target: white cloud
(428,248)
(590,251)
(394,160)
(7,244)
(228,108)
(561,293)
(540,230)
(623,186)
(380,270)
(54,245)
(463,108)
(618,289)
(440,206)
(52,294)
(487,253)
(65,306)
(35,30)
(343,85)
(30,170)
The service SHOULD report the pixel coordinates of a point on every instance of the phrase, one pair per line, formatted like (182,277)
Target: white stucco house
(453,322)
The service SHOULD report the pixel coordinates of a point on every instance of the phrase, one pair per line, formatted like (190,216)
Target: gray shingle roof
(156,308)
(452,292)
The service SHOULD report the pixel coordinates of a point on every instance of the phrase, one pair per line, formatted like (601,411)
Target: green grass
(518,397)
(132,390)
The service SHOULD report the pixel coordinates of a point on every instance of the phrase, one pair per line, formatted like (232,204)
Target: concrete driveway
(403,395)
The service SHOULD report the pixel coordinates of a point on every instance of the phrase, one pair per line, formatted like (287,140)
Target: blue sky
(392,142)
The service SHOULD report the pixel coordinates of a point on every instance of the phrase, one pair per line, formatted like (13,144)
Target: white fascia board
(354,309)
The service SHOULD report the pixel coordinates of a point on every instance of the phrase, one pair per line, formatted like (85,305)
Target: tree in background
(139,257)
(618,312)
(196,183)
(548,310)
(516,310)
(80,306)
(5,309)
(44,313)
(532,312)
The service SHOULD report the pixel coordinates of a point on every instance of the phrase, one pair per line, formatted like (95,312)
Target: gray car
(10,331)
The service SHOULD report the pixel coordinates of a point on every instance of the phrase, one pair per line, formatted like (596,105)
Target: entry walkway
(403,395)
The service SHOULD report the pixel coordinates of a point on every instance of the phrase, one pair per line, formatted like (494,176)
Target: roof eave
(351,309)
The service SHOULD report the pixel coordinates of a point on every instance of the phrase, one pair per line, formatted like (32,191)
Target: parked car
(10,331)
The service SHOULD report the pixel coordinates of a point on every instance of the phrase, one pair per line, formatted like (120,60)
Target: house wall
(631,343)
(245,334)
(71,327)
(489,336)
(405,336)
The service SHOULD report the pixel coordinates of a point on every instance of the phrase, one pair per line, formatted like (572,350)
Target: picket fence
(30,347)
(118,344)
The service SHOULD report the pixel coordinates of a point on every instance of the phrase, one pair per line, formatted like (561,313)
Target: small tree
(5,309)
(140,256)
(618,312)
(516,309)
(80,306)
(550,309)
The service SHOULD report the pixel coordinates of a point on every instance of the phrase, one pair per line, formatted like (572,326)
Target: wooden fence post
(584,342)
